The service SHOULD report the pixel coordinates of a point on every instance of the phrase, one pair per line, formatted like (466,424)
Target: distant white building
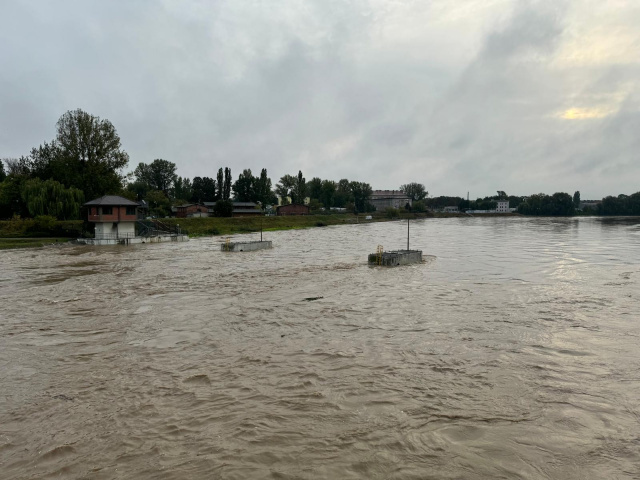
(450,209)
(502,206)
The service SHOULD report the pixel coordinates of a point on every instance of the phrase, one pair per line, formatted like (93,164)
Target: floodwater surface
(513,351)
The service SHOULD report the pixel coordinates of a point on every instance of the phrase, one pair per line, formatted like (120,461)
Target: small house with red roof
(114,217)
(115,221)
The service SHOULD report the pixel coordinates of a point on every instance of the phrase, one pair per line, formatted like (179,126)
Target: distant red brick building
(292,209)
(192,210)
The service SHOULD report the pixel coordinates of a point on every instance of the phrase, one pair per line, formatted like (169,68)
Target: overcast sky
(461,95)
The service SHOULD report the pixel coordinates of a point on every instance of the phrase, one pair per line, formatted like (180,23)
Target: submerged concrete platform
(395,258)
(133,240)
(245,246)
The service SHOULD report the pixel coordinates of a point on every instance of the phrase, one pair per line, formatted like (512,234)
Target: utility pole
(407,234)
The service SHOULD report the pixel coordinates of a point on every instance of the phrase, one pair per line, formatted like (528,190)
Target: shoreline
(20,233)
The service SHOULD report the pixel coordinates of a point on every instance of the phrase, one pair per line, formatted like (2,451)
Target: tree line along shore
(86,160)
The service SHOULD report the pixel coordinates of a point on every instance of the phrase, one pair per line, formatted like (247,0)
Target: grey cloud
(459,97)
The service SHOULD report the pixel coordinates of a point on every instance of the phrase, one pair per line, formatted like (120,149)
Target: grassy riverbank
(40,227)
(198,227)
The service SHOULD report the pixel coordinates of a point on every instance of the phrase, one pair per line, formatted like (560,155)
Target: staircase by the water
(155,228)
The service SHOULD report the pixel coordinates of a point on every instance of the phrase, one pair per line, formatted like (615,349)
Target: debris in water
(63,397)
(311,299)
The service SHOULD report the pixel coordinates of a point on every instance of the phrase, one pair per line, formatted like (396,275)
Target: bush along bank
(43,226)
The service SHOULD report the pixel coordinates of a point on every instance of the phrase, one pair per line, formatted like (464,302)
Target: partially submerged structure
(118,220)
(245,246)
(395,258)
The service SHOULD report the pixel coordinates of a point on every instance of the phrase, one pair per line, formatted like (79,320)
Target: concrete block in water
(395,258)
(245,246)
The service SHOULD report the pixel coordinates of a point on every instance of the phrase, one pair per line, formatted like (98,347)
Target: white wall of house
(127,229)
(105,229)
(111,229)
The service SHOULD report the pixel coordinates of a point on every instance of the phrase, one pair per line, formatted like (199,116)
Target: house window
(131,210)
(107,210)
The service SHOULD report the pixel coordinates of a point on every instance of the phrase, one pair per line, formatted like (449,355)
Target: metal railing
(154,228)
(114,236)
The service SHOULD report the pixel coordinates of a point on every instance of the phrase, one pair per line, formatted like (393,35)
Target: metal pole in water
(407,234)
(261,220)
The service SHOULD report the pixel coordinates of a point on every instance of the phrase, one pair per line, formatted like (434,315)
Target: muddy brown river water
(513,352)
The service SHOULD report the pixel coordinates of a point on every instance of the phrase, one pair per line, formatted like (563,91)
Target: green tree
(209,188)
(203,189)
(446,201)
(414,190)
(138,189)
(220,183)
(3,175)
(19,167)
(419,206)
(343,194)
(576,199)
(197,190)
(48,197)
(327,193)
(223,208)
(244,188)
(315,205)
(11,202)
(514,201)
(285,187)
(541,204)
(361,193)
(226,191)
(299,190)
(264,194)
(88,154)
(159,204)
(502,195)
(158,175)
(620,205)
(314,188)
(182,189)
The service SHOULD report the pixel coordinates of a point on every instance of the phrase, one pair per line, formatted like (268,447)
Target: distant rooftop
(389,194)
(112,201)
(246,210)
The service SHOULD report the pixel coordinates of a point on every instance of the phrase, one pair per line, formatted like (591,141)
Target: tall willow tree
(48,197)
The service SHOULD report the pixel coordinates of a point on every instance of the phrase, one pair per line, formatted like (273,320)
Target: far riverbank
(21,233)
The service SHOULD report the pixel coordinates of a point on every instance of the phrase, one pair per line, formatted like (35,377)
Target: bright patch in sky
(585,113)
